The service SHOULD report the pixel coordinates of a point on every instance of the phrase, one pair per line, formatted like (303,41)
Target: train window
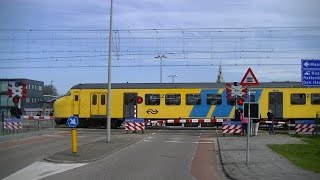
(103,99)
(231,101)
(193,99)
(94,99)
(152,99)
(298,98)
(214,99)
(173,99)
(252,98)
(315,98)
(75,97)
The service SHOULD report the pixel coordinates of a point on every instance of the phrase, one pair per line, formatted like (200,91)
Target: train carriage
(163,101)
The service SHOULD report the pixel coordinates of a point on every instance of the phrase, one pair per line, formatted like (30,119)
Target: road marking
(40,170)
(181,142)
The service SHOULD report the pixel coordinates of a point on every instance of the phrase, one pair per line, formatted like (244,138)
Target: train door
(98,105)
(76,103)
(276,103)
(129,105)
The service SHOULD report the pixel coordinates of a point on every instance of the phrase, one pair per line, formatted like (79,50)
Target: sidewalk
(263,162)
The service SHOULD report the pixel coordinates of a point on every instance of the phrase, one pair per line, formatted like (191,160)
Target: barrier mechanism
(305,126)
(231,127)
(134,125)
(12,123)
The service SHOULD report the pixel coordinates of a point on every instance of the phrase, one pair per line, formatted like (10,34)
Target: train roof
(180,85)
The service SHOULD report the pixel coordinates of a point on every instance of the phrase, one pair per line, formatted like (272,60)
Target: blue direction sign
(73,121)
(310,72)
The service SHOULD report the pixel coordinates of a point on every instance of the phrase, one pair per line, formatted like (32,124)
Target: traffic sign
(73,121)
(249,79)
(310,72)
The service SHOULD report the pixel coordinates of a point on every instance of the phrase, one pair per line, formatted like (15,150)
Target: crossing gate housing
(231,127)
(134,125)
(305,126)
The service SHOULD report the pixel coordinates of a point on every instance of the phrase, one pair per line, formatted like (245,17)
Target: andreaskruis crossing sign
(249,79)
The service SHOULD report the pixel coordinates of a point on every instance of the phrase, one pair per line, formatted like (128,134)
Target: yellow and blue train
(161,101)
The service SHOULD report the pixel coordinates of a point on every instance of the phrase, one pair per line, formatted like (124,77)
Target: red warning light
(240,101)
(15,99)
(139,100)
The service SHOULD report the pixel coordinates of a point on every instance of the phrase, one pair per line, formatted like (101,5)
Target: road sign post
(310,72)
(249,79)
(72,122)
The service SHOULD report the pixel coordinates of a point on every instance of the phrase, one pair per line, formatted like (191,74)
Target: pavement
(262,164)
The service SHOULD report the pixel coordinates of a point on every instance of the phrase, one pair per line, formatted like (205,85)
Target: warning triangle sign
(249,79)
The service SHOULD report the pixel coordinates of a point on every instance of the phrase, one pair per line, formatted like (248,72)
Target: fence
(25,124)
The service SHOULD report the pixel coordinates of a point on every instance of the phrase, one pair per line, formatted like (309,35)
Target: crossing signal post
(236,91)
(249,79)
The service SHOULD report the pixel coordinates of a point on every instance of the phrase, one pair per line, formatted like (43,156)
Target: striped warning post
(231,127)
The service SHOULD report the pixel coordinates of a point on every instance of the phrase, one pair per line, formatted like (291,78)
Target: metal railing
(16,126)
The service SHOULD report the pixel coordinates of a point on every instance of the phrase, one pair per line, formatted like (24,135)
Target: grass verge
(306,156)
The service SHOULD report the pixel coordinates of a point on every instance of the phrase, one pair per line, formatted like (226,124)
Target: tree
(50,90)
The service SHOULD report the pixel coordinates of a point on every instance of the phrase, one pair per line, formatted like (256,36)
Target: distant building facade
(31,105)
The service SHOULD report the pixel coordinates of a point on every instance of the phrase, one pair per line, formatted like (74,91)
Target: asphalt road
(19,153)
(167,154)
(164,154)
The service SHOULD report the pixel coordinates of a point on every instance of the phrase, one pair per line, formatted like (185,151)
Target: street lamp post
(173,76)
(161,57)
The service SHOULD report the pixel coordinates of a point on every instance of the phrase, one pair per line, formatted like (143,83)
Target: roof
(180,85)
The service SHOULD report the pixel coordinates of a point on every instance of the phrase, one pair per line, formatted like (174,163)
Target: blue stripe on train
(203,109)
(222,110)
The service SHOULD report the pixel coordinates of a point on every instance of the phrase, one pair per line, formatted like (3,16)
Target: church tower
(220,75)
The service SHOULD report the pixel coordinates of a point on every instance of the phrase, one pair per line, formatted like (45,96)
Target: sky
(66,42)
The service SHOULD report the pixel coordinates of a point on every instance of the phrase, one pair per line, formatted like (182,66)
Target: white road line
(40,170)
(203,142)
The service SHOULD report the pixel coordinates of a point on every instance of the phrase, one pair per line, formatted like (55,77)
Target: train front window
(298,98)
(152,99)
(214,99)
(315,98)
(193,99)
(94,99)
(173,99)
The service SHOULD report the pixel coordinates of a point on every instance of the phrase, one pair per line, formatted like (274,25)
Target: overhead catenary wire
(138,46)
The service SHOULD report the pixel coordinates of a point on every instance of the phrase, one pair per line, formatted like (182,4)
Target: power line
(141,66)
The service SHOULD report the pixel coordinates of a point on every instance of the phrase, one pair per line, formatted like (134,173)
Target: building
(33,102)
